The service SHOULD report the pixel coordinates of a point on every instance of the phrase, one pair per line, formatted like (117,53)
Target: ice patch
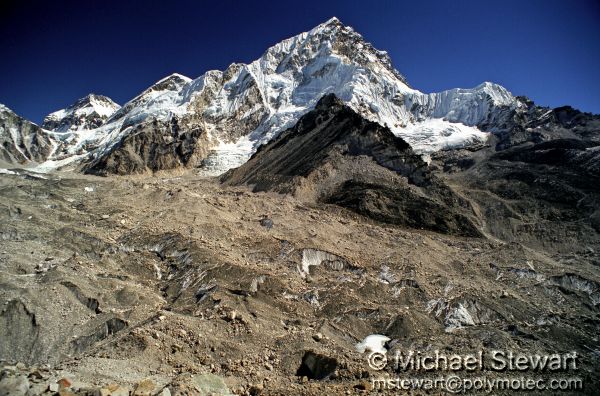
(386,276)
(373,343)
(312,257)
(158,271)
(458,317)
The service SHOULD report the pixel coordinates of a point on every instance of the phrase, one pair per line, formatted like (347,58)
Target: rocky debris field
(175,284)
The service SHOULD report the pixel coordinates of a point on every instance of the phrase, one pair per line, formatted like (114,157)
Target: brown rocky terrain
(265,280)
(174,281)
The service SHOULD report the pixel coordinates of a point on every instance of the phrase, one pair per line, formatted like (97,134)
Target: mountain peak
(4,108)
(247,105)
(94,98)
(175,77)
(499,94)
(345,41)
(172,82)
(331,22)
(89,112)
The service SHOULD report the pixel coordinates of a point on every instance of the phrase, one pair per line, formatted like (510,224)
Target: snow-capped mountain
(219,119)
(247,105)
(87,113)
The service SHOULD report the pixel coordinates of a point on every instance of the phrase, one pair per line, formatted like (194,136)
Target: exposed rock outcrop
(149,148)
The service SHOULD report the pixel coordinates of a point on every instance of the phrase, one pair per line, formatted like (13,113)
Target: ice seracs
(434,134)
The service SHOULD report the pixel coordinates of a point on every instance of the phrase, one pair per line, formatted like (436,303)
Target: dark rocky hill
(334,155)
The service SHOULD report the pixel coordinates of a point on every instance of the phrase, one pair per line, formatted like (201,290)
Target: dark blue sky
(54,52)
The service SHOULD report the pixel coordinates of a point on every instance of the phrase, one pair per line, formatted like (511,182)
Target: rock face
(334,155)
(22,141)
(151,147)
(19,330)
(87,113)
(532,123)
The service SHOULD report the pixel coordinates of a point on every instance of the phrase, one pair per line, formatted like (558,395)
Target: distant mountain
(216,121)
(87,113)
